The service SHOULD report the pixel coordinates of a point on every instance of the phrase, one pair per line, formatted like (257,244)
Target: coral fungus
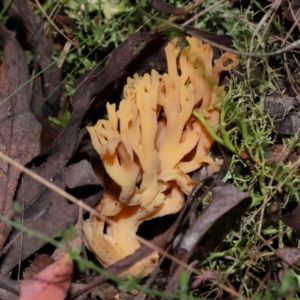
(150,144)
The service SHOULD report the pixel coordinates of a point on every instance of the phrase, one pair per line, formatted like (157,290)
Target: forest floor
(231,228)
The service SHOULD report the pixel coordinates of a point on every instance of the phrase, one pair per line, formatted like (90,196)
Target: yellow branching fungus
(150,144)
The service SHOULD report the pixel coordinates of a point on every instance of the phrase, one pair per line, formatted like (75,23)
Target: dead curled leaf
(167,8)
(288,255)
(81,173)
(293,218)
(224,198)
(20,131)
(46,86)
(51,283)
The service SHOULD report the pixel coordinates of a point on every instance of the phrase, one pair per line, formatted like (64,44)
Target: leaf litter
(50,213)
(20,130)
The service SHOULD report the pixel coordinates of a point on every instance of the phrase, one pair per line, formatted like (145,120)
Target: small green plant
(287,288)
(248,132)
(63,121)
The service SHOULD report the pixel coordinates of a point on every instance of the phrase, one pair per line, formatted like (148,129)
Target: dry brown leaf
(20,131)
(293,219)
